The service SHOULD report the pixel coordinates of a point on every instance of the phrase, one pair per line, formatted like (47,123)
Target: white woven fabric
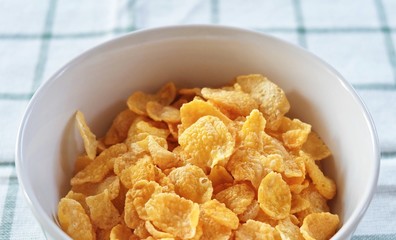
(357,37)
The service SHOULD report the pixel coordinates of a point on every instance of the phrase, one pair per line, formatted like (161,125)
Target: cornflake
(202,163)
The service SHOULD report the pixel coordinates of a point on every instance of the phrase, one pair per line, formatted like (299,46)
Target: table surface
(358,38)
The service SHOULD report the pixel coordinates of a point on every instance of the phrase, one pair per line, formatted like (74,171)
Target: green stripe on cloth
(9,207)
(375,237)
(76,35)
(132,24)
(39,71)
(214,11)
(387,35)
(349,30)
(7,164)
(300,23)
(388,155)
(374,86)
(15,96)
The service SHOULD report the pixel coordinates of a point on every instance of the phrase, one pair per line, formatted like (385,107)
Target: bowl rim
(49,225)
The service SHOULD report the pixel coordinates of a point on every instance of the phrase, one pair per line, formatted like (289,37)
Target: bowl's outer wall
(99,82)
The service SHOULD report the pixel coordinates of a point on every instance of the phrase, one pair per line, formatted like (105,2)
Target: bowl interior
(99,81)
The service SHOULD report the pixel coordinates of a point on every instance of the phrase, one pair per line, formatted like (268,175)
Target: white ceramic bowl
(99,81)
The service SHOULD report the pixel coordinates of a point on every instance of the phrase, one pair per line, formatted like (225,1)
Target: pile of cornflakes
(210,163)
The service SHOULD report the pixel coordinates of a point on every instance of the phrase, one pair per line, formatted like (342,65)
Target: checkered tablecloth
(357,37)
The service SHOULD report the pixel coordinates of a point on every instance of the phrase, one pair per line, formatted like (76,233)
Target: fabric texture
(358,38)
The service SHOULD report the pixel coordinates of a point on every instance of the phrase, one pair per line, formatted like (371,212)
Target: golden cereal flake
(111,183)
(237,102)
(256,230)
(191,183)
(325,185)
(237,197)
(315,147)
(274,196)
(217,220)
(131,216)
(317,203)
(141,193)
(319,226)
(144,169)
(88,137)
(194,110)
(220,213)
(162,157)
(138,100)
(155,232)
(219,175)
(118,130)
(247,165)
(251,212)
(271,98)
(294,132)
(208,142)
(97,170)
(120,232)
(103,214)
(172,214)
(74,221)
(288,230)
(252,131)
(159,112)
